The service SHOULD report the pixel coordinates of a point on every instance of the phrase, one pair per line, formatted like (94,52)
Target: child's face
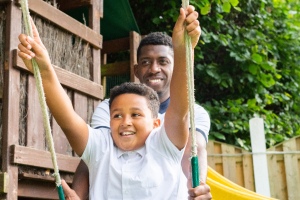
(131,121)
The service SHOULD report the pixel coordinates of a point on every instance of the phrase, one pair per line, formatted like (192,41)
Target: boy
(131,145)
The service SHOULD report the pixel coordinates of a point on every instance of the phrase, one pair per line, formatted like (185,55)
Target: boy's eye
(117,116)
(135,115)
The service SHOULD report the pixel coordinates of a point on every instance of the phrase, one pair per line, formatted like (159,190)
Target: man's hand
(202,192)
(69,193)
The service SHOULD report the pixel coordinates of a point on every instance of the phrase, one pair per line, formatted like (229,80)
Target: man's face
(155,68)
(131,121)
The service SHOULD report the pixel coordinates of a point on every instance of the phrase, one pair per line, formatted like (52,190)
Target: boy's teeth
(127,133)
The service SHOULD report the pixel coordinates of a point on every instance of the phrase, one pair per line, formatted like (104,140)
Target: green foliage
(247,63)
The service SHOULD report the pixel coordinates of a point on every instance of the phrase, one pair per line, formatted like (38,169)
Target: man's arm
(80,182)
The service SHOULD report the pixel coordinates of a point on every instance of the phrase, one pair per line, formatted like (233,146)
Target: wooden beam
(68,79)
(114,69)
(135,39)
(71,4)
(37,189)
(37,158)
(11,97)
(114,46)
(4,180)
(66,22)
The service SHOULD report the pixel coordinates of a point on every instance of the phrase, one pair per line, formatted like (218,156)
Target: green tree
(247,63)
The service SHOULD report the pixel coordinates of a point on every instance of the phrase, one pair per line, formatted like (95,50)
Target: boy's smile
(131,121)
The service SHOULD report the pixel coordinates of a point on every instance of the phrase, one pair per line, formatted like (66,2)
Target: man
(155,68)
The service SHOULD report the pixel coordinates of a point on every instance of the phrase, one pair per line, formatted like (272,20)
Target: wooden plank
(11,98)
(66,22)
(69,79)
(248,171)
(80,105)
(35,126)
(135,39)
(71,4)
(38,158)
(291,169)
(114,46)
(228,162)
(48,178)
(115,69)
(37,189)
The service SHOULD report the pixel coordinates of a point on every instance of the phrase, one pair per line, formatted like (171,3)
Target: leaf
(205,10)
(253,69)
(234,3)
(226,7)
(220,136)
(256,58)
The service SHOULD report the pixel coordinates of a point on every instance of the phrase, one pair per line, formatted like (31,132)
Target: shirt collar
(141,151)
(163,106)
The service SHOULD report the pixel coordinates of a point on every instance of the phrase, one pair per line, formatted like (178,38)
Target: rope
(42,100)
(191,97)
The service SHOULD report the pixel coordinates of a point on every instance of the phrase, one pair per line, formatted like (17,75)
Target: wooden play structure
(82,59)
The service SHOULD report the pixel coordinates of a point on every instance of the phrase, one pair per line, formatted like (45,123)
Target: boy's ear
(156,123)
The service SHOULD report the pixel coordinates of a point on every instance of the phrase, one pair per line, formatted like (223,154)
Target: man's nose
(155,67)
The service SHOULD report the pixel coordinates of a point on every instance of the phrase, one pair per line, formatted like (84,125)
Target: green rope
(191,97)
(42,100)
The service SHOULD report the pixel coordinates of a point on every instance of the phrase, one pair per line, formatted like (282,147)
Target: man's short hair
(155,38)
(139,89)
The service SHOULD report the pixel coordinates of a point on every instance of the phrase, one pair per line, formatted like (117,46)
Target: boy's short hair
(139,89)
(155,38)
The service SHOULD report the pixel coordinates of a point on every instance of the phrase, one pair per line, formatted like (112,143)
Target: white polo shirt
(152,172)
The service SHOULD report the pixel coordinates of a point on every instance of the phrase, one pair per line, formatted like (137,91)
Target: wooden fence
(283,166)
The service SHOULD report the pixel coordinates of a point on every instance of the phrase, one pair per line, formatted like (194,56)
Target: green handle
(61,194)
(195,171)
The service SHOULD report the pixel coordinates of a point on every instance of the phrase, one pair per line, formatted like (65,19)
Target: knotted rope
(191,97)
(42,100)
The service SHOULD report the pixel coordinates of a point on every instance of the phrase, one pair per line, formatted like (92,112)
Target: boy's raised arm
(176,118)
(57,100)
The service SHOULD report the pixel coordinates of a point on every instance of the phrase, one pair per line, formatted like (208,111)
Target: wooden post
(11,100)
(260,165)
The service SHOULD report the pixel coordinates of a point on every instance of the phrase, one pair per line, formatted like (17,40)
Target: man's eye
(163,62)
(145,62)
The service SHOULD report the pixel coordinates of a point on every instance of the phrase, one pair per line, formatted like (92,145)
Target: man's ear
(156,123)
(135,69)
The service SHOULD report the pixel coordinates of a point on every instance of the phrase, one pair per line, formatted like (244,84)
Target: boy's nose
(126,121)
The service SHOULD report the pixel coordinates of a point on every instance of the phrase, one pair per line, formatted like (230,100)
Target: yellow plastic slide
(224,189)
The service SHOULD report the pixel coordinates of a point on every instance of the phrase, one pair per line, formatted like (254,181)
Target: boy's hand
(33,48)
(190,18)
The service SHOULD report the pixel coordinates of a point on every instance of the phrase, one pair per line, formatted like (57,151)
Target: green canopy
(118,19)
